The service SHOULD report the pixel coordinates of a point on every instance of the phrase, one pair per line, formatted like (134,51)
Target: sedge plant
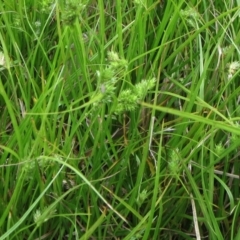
(119,119)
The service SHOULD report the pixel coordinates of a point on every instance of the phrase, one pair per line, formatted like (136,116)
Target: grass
(119,120)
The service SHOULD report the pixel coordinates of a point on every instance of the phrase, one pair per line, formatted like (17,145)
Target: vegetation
(119,119)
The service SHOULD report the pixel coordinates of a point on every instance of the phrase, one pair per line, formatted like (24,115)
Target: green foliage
(119,119)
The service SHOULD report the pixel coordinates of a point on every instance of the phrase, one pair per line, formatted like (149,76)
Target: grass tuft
(119,120)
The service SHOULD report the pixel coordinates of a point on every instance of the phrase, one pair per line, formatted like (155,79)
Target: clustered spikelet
(141,3)
(42,162)
(5,61)
(219,148)
(129,98)
(43,216)
(127,101)
(141,89)
(2,59)
(173,163)
(72,11)
(191,16)
(233,67)
(115,70)
(47,6)
(142,197)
